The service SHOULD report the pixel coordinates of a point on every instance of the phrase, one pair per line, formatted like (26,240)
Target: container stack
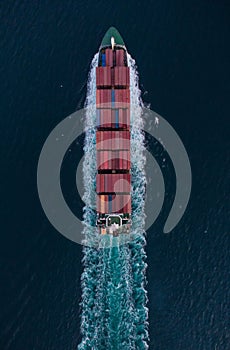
(120,203)
(121,77)
(110,183)
(109,57)
(113,181)
(120,58)
(113,140)
(109,160)
(116,118)
(103,77)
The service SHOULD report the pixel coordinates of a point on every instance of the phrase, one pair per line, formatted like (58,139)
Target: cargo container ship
(113,179)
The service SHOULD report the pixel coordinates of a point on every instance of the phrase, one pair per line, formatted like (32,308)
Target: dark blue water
(183,57)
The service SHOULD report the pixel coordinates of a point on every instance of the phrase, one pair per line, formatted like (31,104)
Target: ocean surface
(182,54)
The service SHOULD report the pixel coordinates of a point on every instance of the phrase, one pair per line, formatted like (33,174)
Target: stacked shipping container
(110,160)
(111,98)
(113,140)
(117,76)
(111,58)
(113,133)
(109,183)
(113,118)
(110,203)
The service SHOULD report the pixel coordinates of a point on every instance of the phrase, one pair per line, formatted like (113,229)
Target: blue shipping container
(103,59)
(117,118)
(113,97)
(110,203)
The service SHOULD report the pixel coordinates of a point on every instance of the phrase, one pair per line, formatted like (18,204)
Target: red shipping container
(109,57)
(120,57)
(122,98)
(110,183)
(114,204)
(124,162)
(106,183)
(127,117)
(110,160)
(120,140)
(121,77)
(124,204)
(115,200)
(103,98)
(120,163)
(106,77)
(113,137)
(98,160)
(125,180)
(98,139)
(113,140)
(119,203)
(98,94)
(118,157)
(107,160)
(127,204)
(128,161)
(103,77)
(102,161)
(125,138)
(98,185)
(120,115)
(118,160)
(98,77)
(103,203)
(112,77)
(103,183)
(110,139)
(121,183)
(113,119)
(109,118)
(124,118)
(105,117)
(107,140)
(117,141)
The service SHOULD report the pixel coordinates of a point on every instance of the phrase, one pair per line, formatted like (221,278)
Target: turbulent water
(114,312)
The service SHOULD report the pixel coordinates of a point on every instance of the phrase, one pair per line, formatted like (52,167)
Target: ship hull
(113,181)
